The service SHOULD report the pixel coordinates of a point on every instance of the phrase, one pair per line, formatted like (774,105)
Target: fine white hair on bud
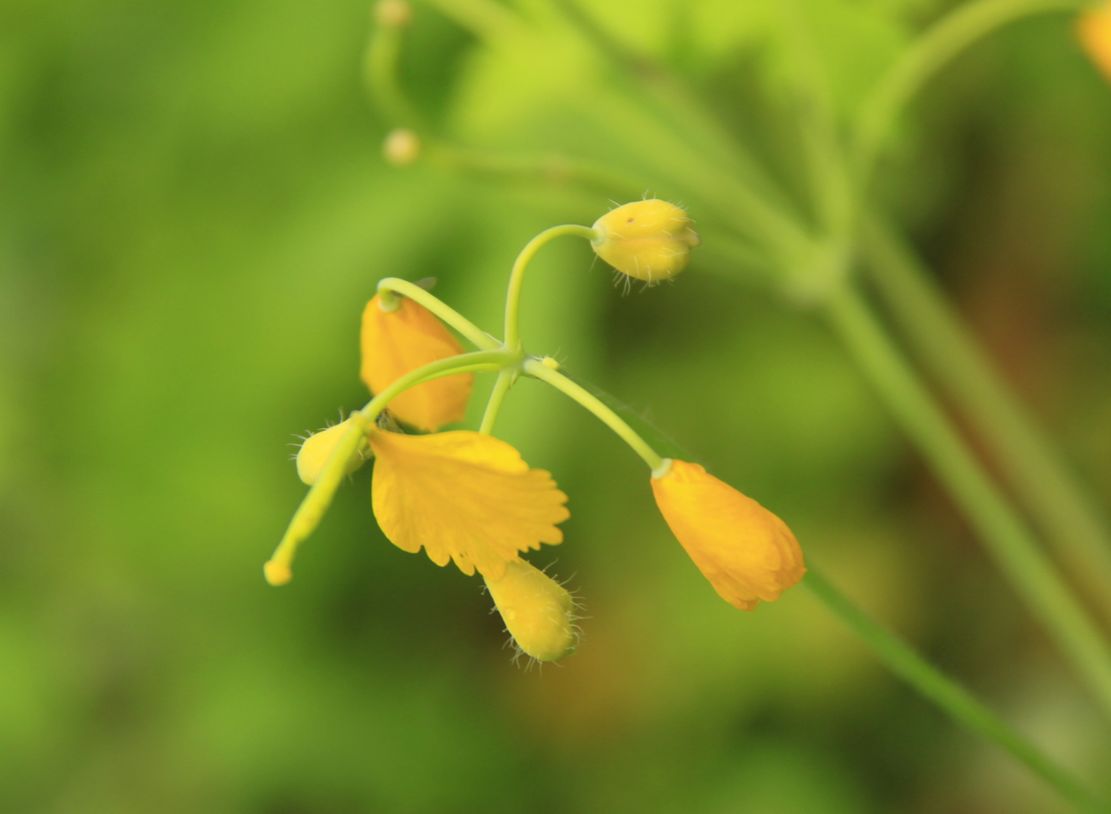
(318,447)
(647,240)
(538,612)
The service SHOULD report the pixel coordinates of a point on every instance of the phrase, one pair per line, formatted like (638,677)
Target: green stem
(517,276)
(563,170)
(946,693)
(475,335)
(316,503)
(544,370)
(935,49)
(670,99)
(1009,541)
(380,65)
(552,168)
(506,378)
(1041,480)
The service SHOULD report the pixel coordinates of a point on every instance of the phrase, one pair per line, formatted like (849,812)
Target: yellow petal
(746,552)
(398,341)
(1094,30)
(463,496)
(538,612)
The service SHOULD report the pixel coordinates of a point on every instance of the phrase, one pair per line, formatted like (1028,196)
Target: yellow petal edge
(463,497)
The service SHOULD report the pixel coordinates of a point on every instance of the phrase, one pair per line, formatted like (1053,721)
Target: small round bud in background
(401,147)
(649,240)
(393,13)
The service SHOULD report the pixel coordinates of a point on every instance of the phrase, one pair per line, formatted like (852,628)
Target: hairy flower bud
(318,447)
(649,240)
(538,612)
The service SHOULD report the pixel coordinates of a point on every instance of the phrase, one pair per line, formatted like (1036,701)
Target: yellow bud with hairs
(538,612)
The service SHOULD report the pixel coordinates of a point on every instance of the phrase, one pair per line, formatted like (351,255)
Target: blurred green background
(193,211)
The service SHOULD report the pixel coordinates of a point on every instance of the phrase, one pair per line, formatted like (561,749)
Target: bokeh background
(193,211)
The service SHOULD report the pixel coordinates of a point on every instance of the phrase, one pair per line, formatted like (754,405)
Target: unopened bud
(401,147)
(649,240)
(393,13)
(538,612)
(317,449)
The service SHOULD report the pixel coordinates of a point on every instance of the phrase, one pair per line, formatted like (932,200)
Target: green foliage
(194,213)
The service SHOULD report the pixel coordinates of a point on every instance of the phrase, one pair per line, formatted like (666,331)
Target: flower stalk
(948,695)
(278,569)
(1010,543)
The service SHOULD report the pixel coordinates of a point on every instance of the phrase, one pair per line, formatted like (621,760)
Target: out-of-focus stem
(1042,481)
(1008,540)
(957,702)
(380,70)
(936,48)
(550,168)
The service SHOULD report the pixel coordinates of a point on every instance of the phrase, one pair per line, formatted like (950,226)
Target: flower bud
(318,447)
(393,13)
(538,612)
(401,147)
(746,552)
(649,240)
(1094,31)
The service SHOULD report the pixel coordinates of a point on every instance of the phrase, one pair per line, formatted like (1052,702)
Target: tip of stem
(277,573)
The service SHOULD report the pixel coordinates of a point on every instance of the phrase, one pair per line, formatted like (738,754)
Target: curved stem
(1040,478)
(380,67)
(505,380)
(538,369)
(947,694)
(933,51)
(1009,541)
(475,335)
(315,504)
(517,276)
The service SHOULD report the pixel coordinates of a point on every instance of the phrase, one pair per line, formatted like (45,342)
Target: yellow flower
(538,612)
(1094,30)
(463,496)
(396,340)
(318,447)
(746,552)
(649,240)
